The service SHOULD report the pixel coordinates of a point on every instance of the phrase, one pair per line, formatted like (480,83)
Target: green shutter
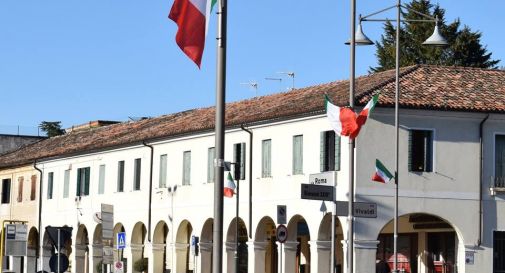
(137,168)
(211,154)
(500,156)
(337,153)
(78,186)
(86,180)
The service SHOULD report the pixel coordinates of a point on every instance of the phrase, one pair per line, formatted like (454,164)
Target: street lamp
(359,38)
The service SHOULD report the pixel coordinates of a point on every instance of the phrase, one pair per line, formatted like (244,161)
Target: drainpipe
(150,191)
(481,167)
(250,176)
(40,215)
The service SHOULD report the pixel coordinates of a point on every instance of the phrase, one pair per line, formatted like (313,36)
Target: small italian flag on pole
(229,186)
(381,174)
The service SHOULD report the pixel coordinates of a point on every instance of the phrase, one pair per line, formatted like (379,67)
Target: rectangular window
(186,168)
(6,191)
(499,160)
(211,154)
(101,179)
(329,152)
(83,175)
(420,150)
(239,156)
(499,251)
(50,182)
(20,188)
(136,174)
(66,184)
(163,171)
(120,176)
(298,154)
(33,189)
(266,158)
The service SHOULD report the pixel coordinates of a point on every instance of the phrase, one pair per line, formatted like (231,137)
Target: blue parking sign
(121,240)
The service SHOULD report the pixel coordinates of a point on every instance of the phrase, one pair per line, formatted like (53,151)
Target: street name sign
(325,178)
(361,209)
(317,192)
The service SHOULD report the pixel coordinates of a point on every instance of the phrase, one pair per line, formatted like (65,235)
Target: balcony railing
(497,185)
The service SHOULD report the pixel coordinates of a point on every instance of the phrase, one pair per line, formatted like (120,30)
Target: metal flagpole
(217,261)
(236,222)
(397,98)
(350,234)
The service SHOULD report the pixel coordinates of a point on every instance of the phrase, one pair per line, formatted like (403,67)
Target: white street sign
(326,178)
(361,209)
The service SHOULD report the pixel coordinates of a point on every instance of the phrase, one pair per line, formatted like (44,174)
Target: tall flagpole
(350,234)
(397,135)
(217,260)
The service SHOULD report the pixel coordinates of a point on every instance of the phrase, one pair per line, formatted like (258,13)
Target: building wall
(12,142)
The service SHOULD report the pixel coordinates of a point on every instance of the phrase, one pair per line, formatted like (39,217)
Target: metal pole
(217,255)
(397,130)
(281,258)
(350,235)
(236,224)
(332,252)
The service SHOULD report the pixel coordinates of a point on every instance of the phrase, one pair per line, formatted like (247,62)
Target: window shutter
(410,151)
(66,182)
(163,171)
(266,158)
(428,147)
(211,153)
(322,154)
(20,188)
(86,180)
(337,153)
(242,160)
(186,176)
(298,154)
(78,186)
(101,179)
(33,188)
(500,156)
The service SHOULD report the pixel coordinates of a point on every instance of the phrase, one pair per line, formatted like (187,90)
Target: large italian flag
(381,174)
(191,17)
(363,115)
(342,119)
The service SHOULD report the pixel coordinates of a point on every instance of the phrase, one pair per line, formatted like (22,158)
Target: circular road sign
(281,233)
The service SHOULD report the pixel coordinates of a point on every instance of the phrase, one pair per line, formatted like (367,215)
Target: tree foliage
(464,47)
(52,128)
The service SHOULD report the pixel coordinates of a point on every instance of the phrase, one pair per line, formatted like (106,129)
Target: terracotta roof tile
(422,87)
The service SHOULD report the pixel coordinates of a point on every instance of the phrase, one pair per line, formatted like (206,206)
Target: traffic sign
(121,240)
(325,178)
(118,267)
(317,192)
(281,214)
(281,233)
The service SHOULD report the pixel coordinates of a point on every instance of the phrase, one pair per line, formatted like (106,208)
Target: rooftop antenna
(253,85)
(292,75)
(275,79)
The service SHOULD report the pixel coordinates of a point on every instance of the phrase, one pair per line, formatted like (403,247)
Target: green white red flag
(191,16)
(346,122)
(381,174)
(229,186)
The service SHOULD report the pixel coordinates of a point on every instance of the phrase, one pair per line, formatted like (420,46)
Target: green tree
(52,128)
(464,47)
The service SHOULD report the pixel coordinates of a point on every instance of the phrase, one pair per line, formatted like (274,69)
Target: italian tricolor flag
(381,174)
(229,186)
(346,122)
(192,18)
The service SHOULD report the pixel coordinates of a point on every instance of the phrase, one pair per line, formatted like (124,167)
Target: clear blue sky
(76,61)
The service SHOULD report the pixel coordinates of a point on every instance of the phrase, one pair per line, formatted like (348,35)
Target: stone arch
(265,247)
(296,248)
(324,244)
(184,262)
(137,243)
(160,247)
(97,247)
(426,243)
(32,250)
(231,245)
(82,250)
(118,253)
(206,246)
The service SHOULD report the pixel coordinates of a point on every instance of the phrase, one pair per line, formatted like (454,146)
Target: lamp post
(359,38)
(171,191)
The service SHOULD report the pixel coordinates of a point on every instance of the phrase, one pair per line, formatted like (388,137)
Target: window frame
(297,170)
(409,150)
(66,183)
(266,166)
(211,155)
(101,178)
(162,179)
(137,174)
(21,180)
(120,176)
(83,189)
(325,154)
(50,185)
(186,168)
(6,197)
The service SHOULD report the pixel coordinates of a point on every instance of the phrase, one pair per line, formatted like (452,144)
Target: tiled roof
(422,87)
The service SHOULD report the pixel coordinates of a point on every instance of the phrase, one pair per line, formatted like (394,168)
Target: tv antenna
(292,75)
(275,79)
(253,85)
